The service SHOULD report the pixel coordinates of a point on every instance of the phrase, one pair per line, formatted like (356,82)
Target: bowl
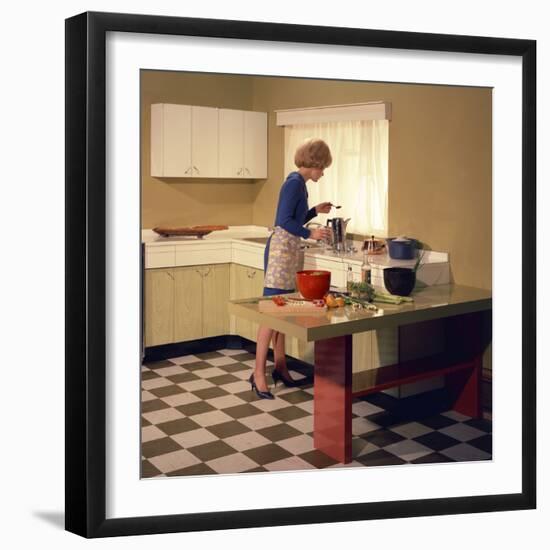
(313,284)
(402,249)
(399,280)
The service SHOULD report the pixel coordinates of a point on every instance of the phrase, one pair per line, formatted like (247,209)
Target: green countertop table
(335,385)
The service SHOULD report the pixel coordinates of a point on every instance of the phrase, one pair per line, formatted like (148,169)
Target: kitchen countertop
(429,303)
(255,236)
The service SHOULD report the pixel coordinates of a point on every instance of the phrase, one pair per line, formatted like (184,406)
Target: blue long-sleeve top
(292,210)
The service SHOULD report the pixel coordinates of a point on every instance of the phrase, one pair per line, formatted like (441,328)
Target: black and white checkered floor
(200,417)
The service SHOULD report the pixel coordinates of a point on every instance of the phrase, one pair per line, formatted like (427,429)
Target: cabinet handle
(251,274)
(195,168)
(240,172)
(207,272)
(248,170)
(170,275)
(188,170)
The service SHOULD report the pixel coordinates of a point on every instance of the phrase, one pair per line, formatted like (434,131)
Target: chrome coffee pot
(338,232)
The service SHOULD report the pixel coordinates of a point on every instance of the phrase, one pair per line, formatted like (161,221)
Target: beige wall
(439,168)
(439,172)
(185,201)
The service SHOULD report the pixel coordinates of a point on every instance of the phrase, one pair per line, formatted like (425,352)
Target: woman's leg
(279,354)
(262,347)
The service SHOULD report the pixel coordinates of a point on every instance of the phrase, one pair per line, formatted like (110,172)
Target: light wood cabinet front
(159,306)
(215,295)
(188,304)
(246,282)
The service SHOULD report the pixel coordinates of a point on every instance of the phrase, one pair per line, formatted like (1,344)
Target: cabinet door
(204,142)
(176,140)
(255,145)
(159,307)
(231,143)
(215,295)
(188,304)
(246,282)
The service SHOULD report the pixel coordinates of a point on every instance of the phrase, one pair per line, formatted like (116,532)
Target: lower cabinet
(186,303)
(246,282)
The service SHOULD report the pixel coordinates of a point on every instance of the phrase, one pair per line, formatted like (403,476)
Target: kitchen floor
(199,417)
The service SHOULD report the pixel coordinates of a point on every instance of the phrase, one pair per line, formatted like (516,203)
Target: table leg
(333,397)
(464,337)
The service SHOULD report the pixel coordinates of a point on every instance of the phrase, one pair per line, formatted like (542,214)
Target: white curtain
(357,179)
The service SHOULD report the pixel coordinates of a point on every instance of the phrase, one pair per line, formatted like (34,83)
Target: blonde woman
(281,255)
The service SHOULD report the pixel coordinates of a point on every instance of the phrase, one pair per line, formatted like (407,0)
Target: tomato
(279,300)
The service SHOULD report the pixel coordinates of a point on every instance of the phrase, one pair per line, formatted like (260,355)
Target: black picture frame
(86,284)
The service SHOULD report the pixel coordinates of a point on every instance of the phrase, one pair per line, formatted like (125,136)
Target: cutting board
(268,306)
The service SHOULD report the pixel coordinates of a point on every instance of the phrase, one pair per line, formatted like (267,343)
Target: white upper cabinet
(243,144)
(184,141)
(231,146)
(255,144)
(188,141)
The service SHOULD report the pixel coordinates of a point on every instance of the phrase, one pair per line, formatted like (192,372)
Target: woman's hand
(319,233)
(323,208)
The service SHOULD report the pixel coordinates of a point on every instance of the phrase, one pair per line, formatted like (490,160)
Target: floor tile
(279,431)
(247,440)
(485,443)
(382,438)
(304,425)
(226,430)
(180,399)
(183,377)
(456,416)
(364,408)
(380,458)
(166,391)
(150,433)
(362,426)
(208,373)
(288,464)
(195,437)
(159,364)
(197,407)
(437,422)
(289,413)
(259,421)
(224,379)
(153,405)
(408,450)
(208,355)
(233,463)
(318,459)
(174,461)
(177,426)
(164,415)
(230,352)
(242,411)
(266,454)
(185,359)
(155,383)
(298,444)
(157,447)
(147,396)
(436,441)
(170,371)
(225,402)
(195,385)
(148,470)
(461,432)
(296,397)
(238,387)
(464,452)
(411,429)
(480,424)
(200,469)
(218,361)
(212,450)
(210,393)
(431,459)
(211,418)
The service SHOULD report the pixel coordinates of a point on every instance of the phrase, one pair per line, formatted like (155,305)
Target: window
(358,176)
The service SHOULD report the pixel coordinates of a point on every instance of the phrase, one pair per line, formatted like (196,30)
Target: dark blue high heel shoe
(260,394)
(289,383)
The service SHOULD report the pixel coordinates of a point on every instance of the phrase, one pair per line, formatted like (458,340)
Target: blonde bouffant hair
(313,153)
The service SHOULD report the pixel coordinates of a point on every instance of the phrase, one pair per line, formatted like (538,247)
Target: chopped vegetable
(279,300)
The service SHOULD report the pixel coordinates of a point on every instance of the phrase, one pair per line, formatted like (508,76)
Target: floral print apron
(283,260)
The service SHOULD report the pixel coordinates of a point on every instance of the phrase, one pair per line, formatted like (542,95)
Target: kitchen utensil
(313,284)
(401,248)
(399,280)
(195,230)
(338,228)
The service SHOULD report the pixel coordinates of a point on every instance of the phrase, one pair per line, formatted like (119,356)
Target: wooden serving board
(268,306)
